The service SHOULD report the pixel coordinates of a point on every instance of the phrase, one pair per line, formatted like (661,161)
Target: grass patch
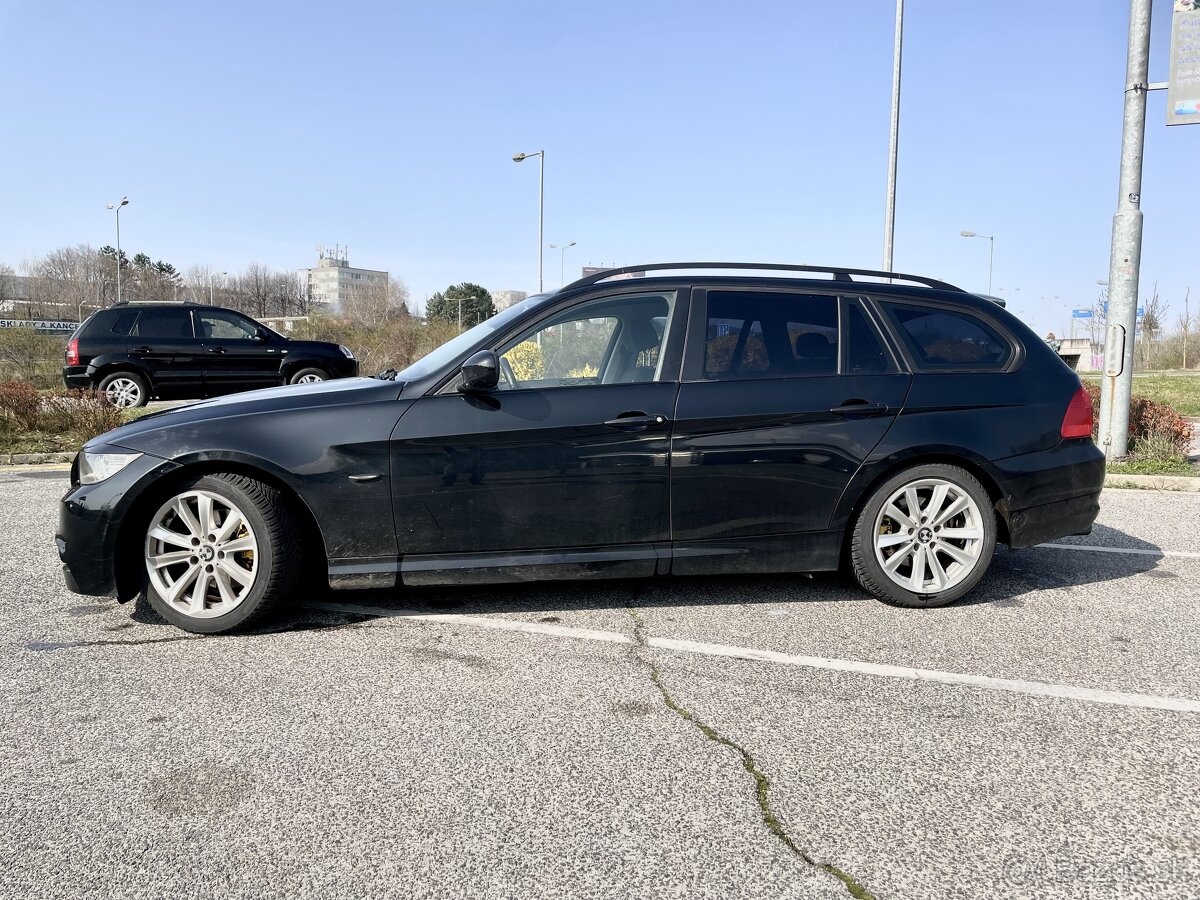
(1135,466)
(1179,391)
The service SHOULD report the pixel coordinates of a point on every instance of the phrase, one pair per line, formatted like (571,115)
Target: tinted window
(225,327)
(123,323)
(764,334)
(945,339)
(164,323)
(864,351)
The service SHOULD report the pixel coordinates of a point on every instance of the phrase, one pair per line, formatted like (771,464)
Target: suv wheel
(309,376)
(925,537)
(125,390)
(219,553)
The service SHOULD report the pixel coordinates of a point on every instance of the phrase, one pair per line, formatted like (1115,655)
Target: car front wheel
(925,537)
(219,553)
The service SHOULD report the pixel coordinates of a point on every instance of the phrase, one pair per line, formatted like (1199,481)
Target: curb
(1183,483)
(34,459)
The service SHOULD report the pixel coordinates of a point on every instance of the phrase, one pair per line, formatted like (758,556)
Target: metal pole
(889,226)
(991,251)
(1124,267)
(118,254)
(210,303)
(541,210)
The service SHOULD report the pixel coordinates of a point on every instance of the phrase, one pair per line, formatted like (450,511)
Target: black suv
(682,424)
(182,351)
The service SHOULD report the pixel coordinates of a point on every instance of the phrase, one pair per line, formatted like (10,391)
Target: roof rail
(156,303)
(839,273)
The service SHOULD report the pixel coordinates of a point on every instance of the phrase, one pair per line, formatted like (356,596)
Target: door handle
(216,349)
(859,409)
(142,350)
(635,420)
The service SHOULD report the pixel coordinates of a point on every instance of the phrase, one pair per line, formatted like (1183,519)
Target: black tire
(123,385)
(278,565)
(865,562)
(311,373)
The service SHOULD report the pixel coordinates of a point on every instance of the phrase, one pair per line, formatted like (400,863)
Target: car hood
(337,392)
(322,348)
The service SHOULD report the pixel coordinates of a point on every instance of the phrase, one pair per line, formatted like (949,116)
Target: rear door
(784,395)
(235,357)
(164,341)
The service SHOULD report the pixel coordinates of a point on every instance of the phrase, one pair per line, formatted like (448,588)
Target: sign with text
(1183,75)
(40,325)
(1081,314)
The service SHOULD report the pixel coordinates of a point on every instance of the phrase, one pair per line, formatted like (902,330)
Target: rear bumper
(76,377)
(1051,494)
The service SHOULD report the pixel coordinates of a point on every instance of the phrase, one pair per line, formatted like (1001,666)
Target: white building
(505,299)
(333,279)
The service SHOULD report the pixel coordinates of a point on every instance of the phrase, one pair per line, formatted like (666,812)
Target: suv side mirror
(481,371)
(260,336)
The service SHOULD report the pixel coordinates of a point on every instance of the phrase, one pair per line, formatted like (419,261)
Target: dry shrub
(1158,427)
(20,402)
(80,415)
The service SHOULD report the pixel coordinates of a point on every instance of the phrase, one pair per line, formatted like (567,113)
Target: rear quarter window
(944,339)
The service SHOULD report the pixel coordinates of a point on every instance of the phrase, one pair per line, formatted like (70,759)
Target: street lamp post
(562,266)
(541,154)
(117,207)
(991,249)
(210,291)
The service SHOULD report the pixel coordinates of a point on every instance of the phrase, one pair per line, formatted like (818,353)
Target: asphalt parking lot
(766,737)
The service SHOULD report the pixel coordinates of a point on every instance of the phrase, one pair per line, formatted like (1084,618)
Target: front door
(784,395)
(235,357)
(562,470)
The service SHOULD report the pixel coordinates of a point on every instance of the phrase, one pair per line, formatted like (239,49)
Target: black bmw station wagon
(690,421)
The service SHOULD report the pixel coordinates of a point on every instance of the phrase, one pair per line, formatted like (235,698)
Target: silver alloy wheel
(929,535)
(309,379)
(201,554)
(123,392)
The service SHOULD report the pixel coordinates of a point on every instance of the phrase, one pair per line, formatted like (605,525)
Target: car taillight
(1077,423)
(73,352)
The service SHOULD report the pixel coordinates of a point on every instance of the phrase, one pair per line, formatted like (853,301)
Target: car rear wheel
(925,537)
(125,390)
(220,553)
(309,376)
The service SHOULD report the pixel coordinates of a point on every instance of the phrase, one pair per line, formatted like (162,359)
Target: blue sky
(252,132)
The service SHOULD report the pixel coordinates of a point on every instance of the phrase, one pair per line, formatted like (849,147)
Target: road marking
(1180,554)
(881,670)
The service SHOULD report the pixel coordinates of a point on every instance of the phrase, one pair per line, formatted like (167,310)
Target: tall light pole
(562,266)
(991,248)
(210,296)
(117,207)
(889,216)
(541,154)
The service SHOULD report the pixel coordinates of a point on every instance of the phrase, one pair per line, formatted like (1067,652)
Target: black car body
(722,424)
(183,351)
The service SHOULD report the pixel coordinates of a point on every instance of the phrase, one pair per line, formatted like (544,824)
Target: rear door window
(165,324)
(770,334)
(949,339)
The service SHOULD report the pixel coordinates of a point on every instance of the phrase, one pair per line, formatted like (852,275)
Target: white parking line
(1180,554)
(1013,686)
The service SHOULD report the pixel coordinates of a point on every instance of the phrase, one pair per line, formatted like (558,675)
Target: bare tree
(71,278)
(1153,317)
(373,304)
(8,290)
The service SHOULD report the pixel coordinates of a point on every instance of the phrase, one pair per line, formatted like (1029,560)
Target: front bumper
(89,524)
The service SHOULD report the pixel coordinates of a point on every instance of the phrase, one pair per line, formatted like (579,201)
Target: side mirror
(481,371)
(260,336)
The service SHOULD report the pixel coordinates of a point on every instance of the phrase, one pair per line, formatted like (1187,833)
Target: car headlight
(346,350)
(95,467)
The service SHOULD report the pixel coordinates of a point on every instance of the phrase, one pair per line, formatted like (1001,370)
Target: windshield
(451,350)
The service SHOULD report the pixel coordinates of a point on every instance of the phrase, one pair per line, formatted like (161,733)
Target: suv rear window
(949,339)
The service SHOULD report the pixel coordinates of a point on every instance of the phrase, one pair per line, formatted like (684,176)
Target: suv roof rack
(156,303)
(840,273)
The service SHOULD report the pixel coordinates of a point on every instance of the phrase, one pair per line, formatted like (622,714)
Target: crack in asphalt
(762,783)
